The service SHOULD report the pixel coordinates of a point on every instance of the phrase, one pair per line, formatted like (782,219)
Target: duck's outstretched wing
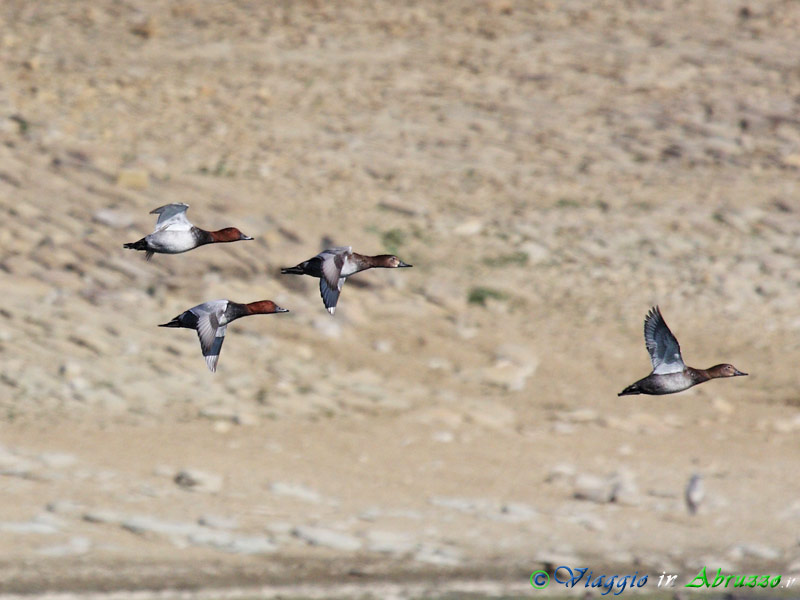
(665,353)
(331,282)
(211,336)
(172,216)
(330,293)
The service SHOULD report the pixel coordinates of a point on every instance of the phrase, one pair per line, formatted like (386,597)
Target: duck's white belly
(172,242)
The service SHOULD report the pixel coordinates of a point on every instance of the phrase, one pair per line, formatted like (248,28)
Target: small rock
(147,524)
(76,545)
(251,545)
(435,555)
(754,551)
(295,490)
(215,522)
(390,542)
(29,527)
(115,219)
(64,507)
(593,488)
(198,481)
(516,511)
(104,516)
(328,538)
(57,460)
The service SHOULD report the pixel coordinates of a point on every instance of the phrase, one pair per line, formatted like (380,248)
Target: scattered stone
(754,551)
(251,545)
(57,460)
(65,507)
(328,538)
(390,542)
(593,488)
(147,524)
(215,522)
(34,526)
(198,481)
(104,516)
(295,490)
(437,555)
(517,511)
(115,219)
(76,545)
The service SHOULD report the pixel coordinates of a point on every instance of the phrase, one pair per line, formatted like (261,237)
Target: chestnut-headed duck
(175,234)
(670,374)
(334,265)
(211,318)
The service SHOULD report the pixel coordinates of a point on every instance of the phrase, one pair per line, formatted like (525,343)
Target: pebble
(593,488)
(215,522)
(75,546)
(115,219)
(756,551)
(28,527)
(328,538)
(198,481)
(390,542)
(147,524)
(437,555)
(295,490)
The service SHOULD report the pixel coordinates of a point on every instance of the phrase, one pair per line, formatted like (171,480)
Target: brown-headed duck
(175,234)
(334,265)
(670,374)
(211,318)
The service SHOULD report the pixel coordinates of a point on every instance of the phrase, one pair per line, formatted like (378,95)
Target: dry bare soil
(551,169)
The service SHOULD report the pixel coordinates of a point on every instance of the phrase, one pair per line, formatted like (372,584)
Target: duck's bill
(246,237)
(738,372)
(402,264)
(281,309)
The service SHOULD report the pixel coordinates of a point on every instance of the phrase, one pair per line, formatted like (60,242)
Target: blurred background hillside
(551,170)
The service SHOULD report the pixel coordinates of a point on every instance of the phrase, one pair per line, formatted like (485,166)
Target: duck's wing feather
(665,353)
(210,332)
(172,217)
(330,293)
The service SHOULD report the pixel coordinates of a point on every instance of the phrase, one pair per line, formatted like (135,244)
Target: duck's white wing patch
(172,217)
(665,353)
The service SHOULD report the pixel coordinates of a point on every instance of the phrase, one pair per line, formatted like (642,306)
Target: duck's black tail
(630,390)
(298,270)
(140,245)
(186,319)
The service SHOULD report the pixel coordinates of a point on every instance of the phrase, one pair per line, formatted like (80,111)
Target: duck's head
(264,307)
(389,261)
(725,370)
(229,234)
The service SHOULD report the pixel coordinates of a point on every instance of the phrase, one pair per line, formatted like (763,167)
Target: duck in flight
(670,374)
(334,265)
(210,320)
(174,233)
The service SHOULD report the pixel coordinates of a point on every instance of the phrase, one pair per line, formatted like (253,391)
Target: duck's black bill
(402,264)
(738,372)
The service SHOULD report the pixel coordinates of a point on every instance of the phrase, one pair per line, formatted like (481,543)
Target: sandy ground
(551,170)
